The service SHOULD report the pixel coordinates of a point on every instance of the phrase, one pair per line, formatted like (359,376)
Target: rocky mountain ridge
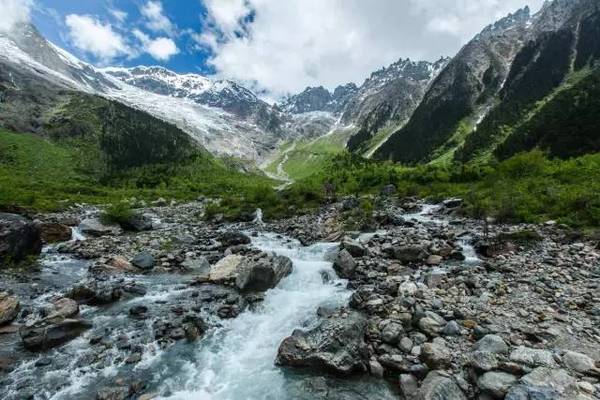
(506,75)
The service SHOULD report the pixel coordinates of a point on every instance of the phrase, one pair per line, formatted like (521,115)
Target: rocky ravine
(426,315)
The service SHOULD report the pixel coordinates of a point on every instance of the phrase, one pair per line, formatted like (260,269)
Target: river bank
(164,314)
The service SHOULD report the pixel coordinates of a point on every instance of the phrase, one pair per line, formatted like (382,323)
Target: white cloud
(156,19)
(161,49)
(13,12)
(291,44)
(119,15)
(96,38)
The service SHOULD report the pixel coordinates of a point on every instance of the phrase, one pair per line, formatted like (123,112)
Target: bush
(117,213)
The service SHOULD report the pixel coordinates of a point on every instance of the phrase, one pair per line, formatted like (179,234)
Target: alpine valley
(430,233)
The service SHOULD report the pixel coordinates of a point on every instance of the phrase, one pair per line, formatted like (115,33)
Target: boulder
(9,308)
(96,292)
(533,357)
(51,332)
(336,345)
(197,265)
(392,333)
(226,270)
(491,344)
(144,261)
(409,386)
(496,383)
(579,362)
(19,238)
(344,265)
(232,238)
(528,392)
(452,203)
(436,354)
(439,386)
(64,307)
(137,223)
(408,254)
(553,378)
(93,227)
(353,247)
(262,273)
(52,232)
(431,324)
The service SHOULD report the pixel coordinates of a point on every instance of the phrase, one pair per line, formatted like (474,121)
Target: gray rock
(553,378)
(144,261)
(51,332)
(579,362)
(391,333)
(438,386)
(406,344)
(451,329)
(528,392)
(137,223)
(93,227)
(533,357)
(231,238)
(226,269)
(335,345)
(452,203)
(19,238)
(409,386)
(496,383)
(491,344)
(436,355)
(96,292)
(65,308)
(483,360)
(197,265)
(9,308)
(408,254)
(263,273)
(344,265)
(353,247)
(431,324)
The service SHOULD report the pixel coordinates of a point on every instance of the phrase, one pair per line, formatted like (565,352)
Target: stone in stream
(353,247)
(64,307)
(232,238)
(53,232)
(533,357)
(144,261)
(436,354)
(9,308)
(344,265)
(336,345)
(19,238)
(226,269)
(93,227)
(96,292)
(491,344)
(262,272)
(51,332)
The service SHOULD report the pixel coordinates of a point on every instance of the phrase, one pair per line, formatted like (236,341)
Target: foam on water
(237,360)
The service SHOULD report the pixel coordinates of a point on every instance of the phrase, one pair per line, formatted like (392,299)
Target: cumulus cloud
(155,17)
(161,48)
(96,38)
(283,46)
(13,12)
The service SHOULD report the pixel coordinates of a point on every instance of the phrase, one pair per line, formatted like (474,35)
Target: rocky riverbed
(425,306)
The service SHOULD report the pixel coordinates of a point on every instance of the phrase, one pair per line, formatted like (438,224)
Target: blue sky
(186,16)
(274,47)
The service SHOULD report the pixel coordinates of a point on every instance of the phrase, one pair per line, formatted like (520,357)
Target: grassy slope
(44,175)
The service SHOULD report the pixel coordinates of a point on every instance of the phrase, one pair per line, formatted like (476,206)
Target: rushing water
(234,360)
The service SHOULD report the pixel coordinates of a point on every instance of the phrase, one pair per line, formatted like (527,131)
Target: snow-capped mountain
(222,116)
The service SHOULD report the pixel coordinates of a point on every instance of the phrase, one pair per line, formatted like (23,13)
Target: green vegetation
(525,188)
(42,175)
(118,213)
(301,159)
